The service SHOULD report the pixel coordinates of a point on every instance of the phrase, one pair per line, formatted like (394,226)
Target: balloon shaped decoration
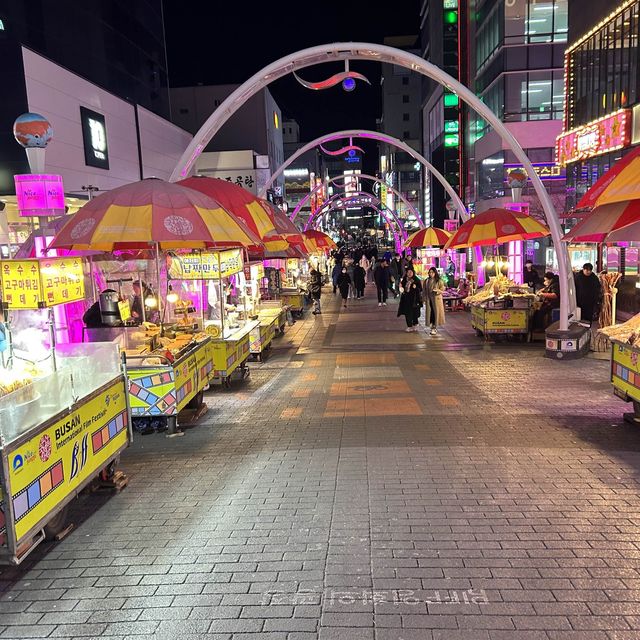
(32,130)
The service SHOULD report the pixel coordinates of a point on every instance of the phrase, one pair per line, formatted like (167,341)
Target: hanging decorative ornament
(347,77)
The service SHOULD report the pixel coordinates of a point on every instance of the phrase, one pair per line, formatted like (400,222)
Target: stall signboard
(46,282)
(62,280)
(39,194)
(206,265)
(603,135)
(21,286)
(49,467)
(125,310)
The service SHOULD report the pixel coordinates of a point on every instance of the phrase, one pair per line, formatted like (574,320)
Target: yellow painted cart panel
(231,353)
(499,321)
(60,458)
(164,390)
(625,371)
(262,335)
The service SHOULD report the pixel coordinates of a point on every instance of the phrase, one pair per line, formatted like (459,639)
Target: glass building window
(604,68)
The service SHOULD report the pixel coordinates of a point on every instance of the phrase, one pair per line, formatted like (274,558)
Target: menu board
(43,282)
(206,265)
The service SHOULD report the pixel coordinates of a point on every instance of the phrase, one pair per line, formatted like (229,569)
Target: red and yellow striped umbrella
(619,184)
(496,226)
(428,237)
(148,213)
(605,220)
(320,240)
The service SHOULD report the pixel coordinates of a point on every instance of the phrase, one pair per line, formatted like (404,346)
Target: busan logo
(18,462)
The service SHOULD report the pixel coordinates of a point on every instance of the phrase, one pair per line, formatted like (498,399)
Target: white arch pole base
(382,53)
(380,137)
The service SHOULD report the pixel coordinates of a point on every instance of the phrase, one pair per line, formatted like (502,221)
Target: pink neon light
(39,194)
(339,152)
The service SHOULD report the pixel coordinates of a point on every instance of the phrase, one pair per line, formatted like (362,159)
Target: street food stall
(501,307)
(229,314)
(64,415)
(625,363)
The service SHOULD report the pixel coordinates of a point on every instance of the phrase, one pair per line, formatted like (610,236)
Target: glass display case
(81,370)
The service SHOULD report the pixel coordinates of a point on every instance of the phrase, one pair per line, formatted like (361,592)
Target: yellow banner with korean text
(207,265)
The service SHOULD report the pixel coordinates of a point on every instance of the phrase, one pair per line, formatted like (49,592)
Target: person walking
(588,292)
(397,271)
(344,284)
(410,300)
(315,289)
(359,280)
(434,304)
(350,271)
(381,277)
(335,273)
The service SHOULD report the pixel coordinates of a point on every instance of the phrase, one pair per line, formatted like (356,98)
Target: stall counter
(500,321)
(262,335)
(232,353)
(165,389)
(44,466)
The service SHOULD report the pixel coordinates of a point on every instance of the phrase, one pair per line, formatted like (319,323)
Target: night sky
(212,42)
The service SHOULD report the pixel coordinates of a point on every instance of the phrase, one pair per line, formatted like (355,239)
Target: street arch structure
(380,137)
(381,53)
(328,206)
(365,176)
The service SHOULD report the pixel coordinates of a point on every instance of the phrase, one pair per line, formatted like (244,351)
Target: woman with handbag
(410,299)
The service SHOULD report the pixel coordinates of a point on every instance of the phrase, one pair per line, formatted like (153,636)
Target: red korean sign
(600,136)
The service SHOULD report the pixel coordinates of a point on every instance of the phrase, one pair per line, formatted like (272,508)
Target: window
(405,117)
(405,80)
(405,99)
(406,135)
(183,110)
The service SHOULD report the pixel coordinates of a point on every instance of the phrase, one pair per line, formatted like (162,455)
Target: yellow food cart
(64,419)
(496,317)
(625,376)
(229,314)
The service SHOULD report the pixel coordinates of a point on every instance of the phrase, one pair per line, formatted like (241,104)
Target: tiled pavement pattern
(364,484)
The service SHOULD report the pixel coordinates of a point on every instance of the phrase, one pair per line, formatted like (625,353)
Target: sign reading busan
(94,136)
(595,138)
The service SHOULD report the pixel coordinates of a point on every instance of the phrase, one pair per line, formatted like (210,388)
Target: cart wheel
(196,401)
(57,524)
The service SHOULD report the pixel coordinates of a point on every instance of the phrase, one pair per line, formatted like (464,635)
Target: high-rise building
(602,114)
(401,91)
(117,45)
(443,29)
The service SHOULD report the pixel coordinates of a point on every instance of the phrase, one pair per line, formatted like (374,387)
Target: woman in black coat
(344,283)
(410,299)
(359,280)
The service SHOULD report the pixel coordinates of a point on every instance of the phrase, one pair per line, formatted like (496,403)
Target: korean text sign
(205,265)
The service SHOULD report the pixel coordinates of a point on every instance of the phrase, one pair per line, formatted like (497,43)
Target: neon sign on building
(595,138)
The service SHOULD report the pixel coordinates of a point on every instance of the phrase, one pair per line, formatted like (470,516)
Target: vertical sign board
(94,136)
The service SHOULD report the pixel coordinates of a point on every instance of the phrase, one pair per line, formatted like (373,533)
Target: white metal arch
(329,206)
(366,176)
(382,53)
(380,137)
(398,239)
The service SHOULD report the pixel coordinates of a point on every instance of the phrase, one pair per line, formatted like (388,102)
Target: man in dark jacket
(396,270)
(588,292)
(359,280)
(382,278)
(315,289)
(530,275)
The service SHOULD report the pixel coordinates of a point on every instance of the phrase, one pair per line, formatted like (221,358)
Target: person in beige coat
(432,291)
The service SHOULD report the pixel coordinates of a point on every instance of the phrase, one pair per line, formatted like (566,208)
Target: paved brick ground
(363,484)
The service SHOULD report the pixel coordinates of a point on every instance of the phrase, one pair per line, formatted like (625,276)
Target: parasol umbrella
(319,240)
(428,237)
(619,184)
(605,220)
(252,212)
(496,226)
(152,212)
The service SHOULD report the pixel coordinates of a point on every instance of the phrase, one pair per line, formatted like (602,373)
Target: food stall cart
(229,313)
(500,308)
(64,419)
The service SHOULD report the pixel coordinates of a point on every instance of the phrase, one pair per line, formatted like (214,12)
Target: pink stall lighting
(39,194)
